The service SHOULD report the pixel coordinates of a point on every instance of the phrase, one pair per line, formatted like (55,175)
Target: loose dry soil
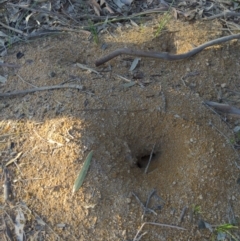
(193,163)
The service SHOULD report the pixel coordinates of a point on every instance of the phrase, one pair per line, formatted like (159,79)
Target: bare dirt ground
(194,164)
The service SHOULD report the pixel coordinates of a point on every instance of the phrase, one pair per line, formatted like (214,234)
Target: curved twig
(164,55)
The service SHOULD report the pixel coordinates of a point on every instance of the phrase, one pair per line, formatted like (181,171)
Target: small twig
(164,55)
(13,29)
(231,219)
(140,236)
(10,65)
(142,205)
(182,214)
(26,81)
(164,102)
(148,200)
(14,159)
(138,200)
(23,92)
(150,159)
(156,224)
(7,191)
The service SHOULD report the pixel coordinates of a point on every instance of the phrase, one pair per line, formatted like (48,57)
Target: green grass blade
(83,172)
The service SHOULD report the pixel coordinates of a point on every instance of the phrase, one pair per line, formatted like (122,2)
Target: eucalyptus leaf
(3,80)
(130,84)
(83,172)
(134,64)
(208,226)
(221,236)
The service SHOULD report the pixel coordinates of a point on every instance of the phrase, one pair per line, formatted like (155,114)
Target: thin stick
(10,65)
(182,214)
(164,102)
(148,200)
(145,209)
(13,29)
(224,14)
(156,224)
(150,159)
(164,55)
(14,159)
(26,81)
(138,200)
(23,92)
(140,236)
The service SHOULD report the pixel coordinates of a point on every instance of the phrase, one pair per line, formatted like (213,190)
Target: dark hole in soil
(142,161)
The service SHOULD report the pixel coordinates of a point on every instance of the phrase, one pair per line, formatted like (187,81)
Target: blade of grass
(164,21)
(83,172)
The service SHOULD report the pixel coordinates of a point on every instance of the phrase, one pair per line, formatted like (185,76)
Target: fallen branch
(224,14)
(224,108)
(23,92)
(164,55)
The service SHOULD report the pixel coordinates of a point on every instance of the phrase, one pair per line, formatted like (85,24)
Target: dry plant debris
(45,136)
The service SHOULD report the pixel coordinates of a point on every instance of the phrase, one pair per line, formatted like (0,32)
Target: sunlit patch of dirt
(193,162)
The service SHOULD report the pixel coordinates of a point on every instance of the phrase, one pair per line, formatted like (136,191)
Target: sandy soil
(193,163)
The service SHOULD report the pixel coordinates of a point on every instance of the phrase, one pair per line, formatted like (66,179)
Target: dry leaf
(149,2)
(133,23)
(119,3)
(127,2)
(175,13)
(103,2)
(199,14)
(209,8)
(134,64)
(3,80)
(164,4)
(95,6)
(130,84)
(182,4)
(82,66)
(2,34)
(190,14)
